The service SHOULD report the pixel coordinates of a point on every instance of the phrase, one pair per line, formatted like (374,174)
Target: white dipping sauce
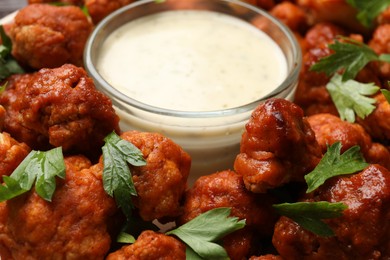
(192,61)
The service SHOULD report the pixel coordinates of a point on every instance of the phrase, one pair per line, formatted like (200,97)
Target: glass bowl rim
(116,95)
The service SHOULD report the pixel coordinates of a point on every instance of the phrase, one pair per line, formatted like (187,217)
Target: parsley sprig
(348,95)
(309,215)
(334,164)
(202,233)
(368,10)
(351,97)
(386,93)
(117,178)
(349,55)
(39,167)
(8,64)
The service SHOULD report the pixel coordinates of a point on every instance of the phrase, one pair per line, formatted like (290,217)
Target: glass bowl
(211,137)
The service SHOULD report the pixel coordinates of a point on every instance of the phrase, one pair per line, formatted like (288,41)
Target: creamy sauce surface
(192,61)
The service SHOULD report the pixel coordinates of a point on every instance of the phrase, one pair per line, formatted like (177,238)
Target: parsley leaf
(386,93)
(334,164)
(3,87)
(201,233)
(349,97)
(8,65)
(368,10)
(309,214)
(117,179)
(133,228)
(85,11)
(7,43)
(39,167)
(350,55)
(192,255)
(126,238)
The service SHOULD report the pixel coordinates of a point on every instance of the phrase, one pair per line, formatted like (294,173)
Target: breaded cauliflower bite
(58,107)
(330,129)
(380,43)
(48,36)
(291,15)
(98,9)
(361,233)
(74,225)
(71,2)
(11,154)
(278,146)
(264,4)
(227,189)
(334,11)
(151,245)
(161,183)
(377,124)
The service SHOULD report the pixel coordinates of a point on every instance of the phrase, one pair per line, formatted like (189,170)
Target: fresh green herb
(192,255)
(334,164)
(7,43)
(349,55)
(39,167)
(117,178)
(133,228)
(350,97)
(159,1)
(3,87)
(125,238)
(386,93)
(368,10)
(201,233)
(8,65)
(85,11)
(309,215)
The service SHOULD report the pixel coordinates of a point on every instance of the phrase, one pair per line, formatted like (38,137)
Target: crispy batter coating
(240,243)
(377,124)
(161,183)
(264,4)
(71,2)
(74,225)
(330,129)
(384,17)
(151,245)
(11,154)
(98,9)
(380,43)
(227,189)
(266,257)
(322,33)
(311,94)
(334,11)
(4,251)
(291,15)
(278,146)
(48,36)
(58,107)
(361,233)
(2,117)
